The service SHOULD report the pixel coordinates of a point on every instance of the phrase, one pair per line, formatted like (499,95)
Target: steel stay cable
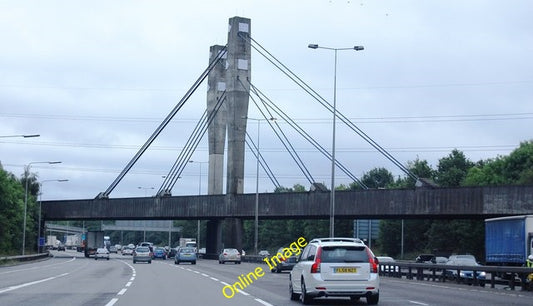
(182,156)
(286,143)
(268,103)
(165,122)
(326,104)
(190,147)
(262,161)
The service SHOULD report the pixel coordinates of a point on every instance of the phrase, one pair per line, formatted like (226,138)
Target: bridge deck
(439,203)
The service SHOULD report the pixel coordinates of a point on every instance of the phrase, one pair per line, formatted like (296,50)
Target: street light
(199,193)
(332,200)
(26,198)
(256,217)
(145,190)
(40,202)
(23,136)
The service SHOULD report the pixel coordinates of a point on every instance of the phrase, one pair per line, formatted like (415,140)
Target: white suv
(341,267)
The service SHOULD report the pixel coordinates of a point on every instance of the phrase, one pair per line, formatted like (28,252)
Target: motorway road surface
(70,279)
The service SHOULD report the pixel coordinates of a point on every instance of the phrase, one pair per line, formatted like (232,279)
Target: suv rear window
(344,254)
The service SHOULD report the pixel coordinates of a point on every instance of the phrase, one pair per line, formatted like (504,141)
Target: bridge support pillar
(213,239)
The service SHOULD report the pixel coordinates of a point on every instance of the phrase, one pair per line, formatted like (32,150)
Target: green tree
(452,170)
(11,213)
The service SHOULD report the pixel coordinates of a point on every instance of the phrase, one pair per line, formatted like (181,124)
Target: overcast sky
(96,78)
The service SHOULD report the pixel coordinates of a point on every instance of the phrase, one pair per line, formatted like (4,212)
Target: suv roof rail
(337,239)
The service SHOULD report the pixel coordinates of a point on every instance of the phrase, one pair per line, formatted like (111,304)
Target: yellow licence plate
(345,270)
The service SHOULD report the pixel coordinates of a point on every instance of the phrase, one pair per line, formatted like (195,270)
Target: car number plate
(345,270)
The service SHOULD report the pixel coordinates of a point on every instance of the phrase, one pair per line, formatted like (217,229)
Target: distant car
(127,251)
(466,276)
(425,258)
(185,254)
(101,253)
(229,255)
(159,253)
(142,253)
(285,264)
(113,249)
(441,260)
(172,253)
(386,264)
(264,253)
(61,247)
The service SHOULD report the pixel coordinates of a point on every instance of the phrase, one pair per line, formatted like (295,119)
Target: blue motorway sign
(41,241)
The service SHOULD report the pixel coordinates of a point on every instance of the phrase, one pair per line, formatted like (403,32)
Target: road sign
(41,241)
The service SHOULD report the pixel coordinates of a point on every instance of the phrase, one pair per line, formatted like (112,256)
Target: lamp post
(40,205)
(332,200)
(23,136)
(199,193)
(256,215)
(145,195)
(26,198)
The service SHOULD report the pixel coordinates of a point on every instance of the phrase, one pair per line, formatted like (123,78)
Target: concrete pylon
(231,119)
(216,85)
(238,74)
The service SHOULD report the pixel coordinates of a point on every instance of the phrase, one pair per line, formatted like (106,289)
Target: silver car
(101,253)
(335,267)
(231,255)
(142,253)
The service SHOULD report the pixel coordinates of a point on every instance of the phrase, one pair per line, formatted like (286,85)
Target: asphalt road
(70,279)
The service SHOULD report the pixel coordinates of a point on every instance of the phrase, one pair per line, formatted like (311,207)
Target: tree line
(420,236)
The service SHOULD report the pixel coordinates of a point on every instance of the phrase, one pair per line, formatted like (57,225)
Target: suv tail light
(373,261)
(315,267)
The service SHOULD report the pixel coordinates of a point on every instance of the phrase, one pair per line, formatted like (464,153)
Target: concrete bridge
(430,203)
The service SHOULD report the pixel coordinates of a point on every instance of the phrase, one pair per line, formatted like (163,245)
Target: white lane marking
(224,283)
(242,292)
(418,303)
(215,279)
(39,267)
(203,274)
(263,302)
(121,292)
(128,284)
(112,302)
(131,279)
(31,283)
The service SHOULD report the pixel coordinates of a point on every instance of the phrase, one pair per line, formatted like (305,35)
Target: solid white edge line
(263,302)
(31,283)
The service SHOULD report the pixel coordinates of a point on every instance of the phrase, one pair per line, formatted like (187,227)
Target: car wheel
(372,299)
(107,258)
(278,270)
(304,297)
(134,262)
(150,262)
(294,296)
(194,262)
(96,258)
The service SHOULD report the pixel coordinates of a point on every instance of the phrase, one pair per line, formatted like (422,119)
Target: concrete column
(216,85)
(238,74)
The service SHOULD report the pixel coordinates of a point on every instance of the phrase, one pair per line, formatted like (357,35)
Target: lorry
(93,240)
(508,240)
(52,242)
(188,242)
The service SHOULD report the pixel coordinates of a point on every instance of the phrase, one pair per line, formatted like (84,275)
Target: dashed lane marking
(225,284)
